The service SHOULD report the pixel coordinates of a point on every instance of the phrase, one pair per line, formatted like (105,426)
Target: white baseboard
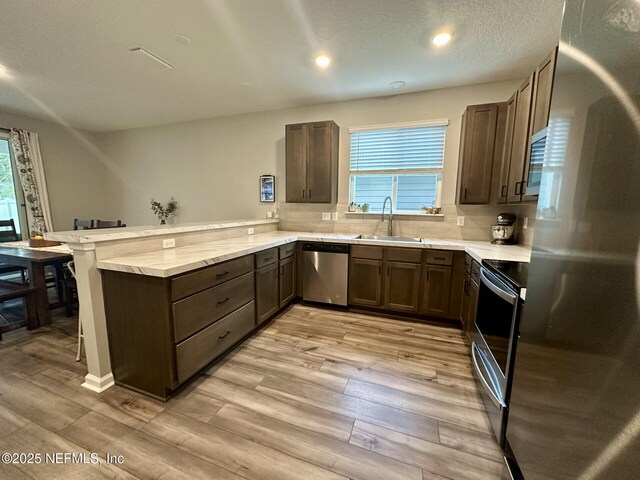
(98,384)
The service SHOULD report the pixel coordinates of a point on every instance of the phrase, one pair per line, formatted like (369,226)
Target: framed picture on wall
(268,188)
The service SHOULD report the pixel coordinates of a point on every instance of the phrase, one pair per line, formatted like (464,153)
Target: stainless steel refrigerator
(575,402)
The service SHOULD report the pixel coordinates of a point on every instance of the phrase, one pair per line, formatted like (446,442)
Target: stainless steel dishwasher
(326,272)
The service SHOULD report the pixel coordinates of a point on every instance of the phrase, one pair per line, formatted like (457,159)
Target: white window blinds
(412,149)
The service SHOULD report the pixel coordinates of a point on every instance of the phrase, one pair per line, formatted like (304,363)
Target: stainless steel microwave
(537,148)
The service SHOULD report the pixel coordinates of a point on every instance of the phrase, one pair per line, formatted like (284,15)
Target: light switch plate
(250,231)
(326,215)
(334,216)
(169,243)
(460,221)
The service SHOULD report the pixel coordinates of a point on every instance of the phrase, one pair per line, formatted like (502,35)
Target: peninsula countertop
(173,261)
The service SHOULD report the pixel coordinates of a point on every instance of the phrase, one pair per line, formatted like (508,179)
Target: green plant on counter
(365,207)
(163,212)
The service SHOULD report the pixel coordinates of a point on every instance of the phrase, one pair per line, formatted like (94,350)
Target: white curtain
(26,150)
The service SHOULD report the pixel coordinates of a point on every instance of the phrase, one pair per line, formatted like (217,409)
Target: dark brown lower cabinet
(365,282)
(287,280)
(163,331)
(435,290)
(473,306)
(470,296)
(267,294)
(401,286)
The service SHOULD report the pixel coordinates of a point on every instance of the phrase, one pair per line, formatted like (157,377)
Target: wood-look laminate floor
(318,394)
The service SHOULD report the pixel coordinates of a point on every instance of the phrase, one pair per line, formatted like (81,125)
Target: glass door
(11,196)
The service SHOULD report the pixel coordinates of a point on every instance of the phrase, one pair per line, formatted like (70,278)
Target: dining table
(35,259)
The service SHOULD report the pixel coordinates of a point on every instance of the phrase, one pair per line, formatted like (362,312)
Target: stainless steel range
(494,338)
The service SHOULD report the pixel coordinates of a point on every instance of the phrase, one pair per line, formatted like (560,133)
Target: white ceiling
(70,59)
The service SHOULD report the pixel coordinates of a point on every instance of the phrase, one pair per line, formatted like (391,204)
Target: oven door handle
(497,286)
(475,352)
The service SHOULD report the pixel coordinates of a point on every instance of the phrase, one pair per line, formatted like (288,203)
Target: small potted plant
(162,212)
(365,207)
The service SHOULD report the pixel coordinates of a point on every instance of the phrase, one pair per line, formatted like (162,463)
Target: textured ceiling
(70,59)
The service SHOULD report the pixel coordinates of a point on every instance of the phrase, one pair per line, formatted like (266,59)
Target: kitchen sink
(387,238)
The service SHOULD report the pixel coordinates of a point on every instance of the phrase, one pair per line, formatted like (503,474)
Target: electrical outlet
(460,221)
(334,216)
(525,223)
(250,231)
(169,243)
(326,215)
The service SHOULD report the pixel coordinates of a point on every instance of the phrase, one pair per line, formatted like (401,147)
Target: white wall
(212,166)
(74,172)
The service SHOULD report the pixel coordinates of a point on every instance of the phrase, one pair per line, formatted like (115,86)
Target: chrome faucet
(389,216)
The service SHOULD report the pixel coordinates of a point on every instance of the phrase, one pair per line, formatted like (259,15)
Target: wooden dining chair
(8,233)
(82,224)
(109,224)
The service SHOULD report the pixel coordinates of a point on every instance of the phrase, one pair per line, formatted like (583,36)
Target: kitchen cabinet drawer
(198,350)
(197,311)
(410,255)
(287,250)
(195,282)
(438,257)
(361,251)
(266,257)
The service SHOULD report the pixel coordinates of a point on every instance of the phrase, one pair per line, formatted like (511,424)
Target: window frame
(441,122)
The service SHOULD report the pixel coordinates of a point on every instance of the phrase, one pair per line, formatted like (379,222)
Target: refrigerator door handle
(475,352)
(498,287)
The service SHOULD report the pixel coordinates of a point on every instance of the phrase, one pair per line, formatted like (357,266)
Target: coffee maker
(503,232)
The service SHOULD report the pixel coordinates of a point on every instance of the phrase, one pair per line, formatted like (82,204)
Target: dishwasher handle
(326,247)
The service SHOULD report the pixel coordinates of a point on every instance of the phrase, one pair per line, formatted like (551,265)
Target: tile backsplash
(477,225)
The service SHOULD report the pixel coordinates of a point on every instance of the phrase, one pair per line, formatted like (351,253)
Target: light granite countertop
(123,233)
(173,261)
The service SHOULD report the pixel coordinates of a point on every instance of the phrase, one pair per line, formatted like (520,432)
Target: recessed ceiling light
(442,38)
(182,39)
(323,61)
(3,69)
(397,85)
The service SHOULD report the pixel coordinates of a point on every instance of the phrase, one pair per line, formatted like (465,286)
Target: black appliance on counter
(494,338)
(574,410)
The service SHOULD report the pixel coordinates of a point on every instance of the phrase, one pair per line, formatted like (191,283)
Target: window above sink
(403,161)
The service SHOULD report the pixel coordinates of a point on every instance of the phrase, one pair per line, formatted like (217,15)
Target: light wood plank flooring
(317,394)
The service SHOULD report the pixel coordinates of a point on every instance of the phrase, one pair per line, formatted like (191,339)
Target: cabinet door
(473,307)
(505,160)
(520,141)
(287,280)
(296,162)
(477,153)
(464,309)
(402,286)
(542,98)
(365,282)
(435,290)
(319,162)
(267,297)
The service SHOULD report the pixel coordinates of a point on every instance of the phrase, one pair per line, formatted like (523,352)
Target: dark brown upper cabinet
(501,168)
(312,162)
(517,156)
(542,92)
(527,114)
(480,124)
